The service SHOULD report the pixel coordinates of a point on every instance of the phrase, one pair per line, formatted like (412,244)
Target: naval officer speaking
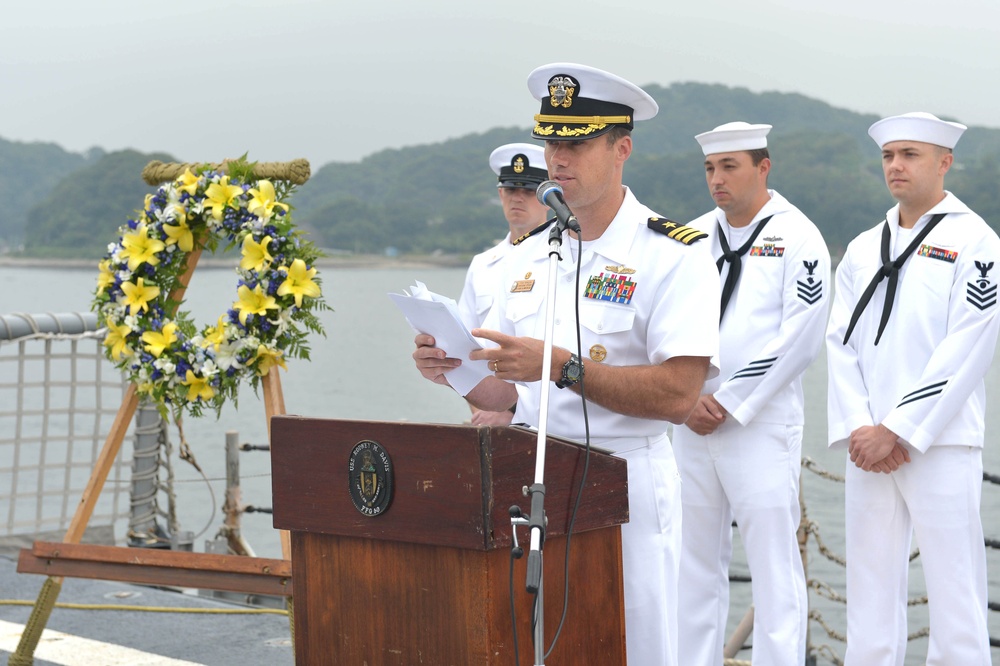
(648,303)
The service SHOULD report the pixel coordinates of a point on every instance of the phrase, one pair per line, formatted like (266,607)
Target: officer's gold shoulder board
(678,232)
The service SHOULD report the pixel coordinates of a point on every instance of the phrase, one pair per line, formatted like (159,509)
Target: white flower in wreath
(249,342)
(226,356)
(257,226)
(209,369)
(165,366)
(281,322)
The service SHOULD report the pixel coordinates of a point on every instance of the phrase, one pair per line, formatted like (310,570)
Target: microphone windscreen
(545,189)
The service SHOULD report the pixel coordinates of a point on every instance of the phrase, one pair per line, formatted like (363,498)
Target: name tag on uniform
(520,286)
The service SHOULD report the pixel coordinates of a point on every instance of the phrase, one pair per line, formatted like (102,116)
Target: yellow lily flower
(105,278)
(264,200)
(255,255)
(180,234)
(139,248)
(198,387)
(215,336)
(116,339)
(188,182)
(221,194)
(253,302)
(299,282)
(157,341)
(267,359)
(138,295)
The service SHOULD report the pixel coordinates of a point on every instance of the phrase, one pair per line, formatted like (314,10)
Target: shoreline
(352,261)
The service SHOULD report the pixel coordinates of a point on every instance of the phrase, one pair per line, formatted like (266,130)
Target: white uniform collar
(614,244)
(950,204)
(776,204)
(616,241)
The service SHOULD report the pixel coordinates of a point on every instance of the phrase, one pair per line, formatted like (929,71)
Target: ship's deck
(118,637)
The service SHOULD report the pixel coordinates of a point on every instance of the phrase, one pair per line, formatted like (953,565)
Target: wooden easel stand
(161,568)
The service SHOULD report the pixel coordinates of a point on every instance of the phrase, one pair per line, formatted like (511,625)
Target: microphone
(550,193)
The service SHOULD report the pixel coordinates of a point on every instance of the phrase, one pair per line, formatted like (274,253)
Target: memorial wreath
(154,342)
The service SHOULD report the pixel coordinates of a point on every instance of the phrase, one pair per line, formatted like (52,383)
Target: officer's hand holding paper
(436,315)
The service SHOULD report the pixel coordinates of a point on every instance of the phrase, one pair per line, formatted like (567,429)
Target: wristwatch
(572,372)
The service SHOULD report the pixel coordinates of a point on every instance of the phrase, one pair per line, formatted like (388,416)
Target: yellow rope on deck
(152,609)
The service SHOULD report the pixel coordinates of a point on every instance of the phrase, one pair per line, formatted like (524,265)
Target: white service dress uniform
(482,281)
(924,382)
(644,299)
(749,467)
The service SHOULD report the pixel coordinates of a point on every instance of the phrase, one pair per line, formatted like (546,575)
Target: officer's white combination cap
(733,137)
(581,102)
(917,126)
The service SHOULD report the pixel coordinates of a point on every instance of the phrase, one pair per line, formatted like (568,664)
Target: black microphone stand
(537,520)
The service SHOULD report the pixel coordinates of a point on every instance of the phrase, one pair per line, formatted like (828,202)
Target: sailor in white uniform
(912,332)
(739,452)
(640,276)
(520,169)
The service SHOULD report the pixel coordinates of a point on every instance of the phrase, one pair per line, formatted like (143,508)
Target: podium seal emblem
(370,478)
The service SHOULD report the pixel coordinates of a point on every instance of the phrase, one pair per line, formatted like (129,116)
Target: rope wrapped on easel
(24,655)
(296,171)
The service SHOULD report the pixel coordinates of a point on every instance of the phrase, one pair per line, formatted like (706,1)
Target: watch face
(572,372)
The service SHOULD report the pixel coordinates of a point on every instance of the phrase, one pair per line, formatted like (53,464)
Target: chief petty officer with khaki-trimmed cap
(648,302)
(520,169)
(912,332)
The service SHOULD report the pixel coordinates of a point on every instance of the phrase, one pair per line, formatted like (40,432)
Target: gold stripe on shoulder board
(678,232)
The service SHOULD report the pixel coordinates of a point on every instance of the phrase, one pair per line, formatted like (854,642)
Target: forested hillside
(442,198)
(28,172)
(79,216)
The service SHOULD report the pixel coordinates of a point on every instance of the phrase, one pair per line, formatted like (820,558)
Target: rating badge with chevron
(810,290)
(982,292)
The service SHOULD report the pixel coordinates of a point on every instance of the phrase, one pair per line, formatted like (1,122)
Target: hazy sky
(338,80)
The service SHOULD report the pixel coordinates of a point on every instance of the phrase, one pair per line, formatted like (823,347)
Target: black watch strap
(572,372)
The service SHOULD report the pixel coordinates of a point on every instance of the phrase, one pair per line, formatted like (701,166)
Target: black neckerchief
(733,276)
(889,269)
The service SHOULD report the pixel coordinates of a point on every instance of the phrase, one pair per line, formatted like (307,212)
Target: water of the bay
(363,370)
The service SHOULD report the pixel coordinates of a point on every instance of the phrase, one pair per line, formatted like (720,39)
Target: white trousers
(650,549)
(750,473)
(936,496)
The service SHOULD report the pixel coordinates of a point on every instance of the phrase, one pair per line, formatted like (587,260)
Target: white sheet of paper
(438,316)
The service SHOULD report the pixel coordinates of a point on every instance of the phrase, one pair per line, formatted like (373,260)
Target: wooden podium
(427,579)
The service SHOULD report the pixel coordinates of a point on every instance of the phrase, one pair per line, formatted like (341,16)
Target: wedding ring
(496,365)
